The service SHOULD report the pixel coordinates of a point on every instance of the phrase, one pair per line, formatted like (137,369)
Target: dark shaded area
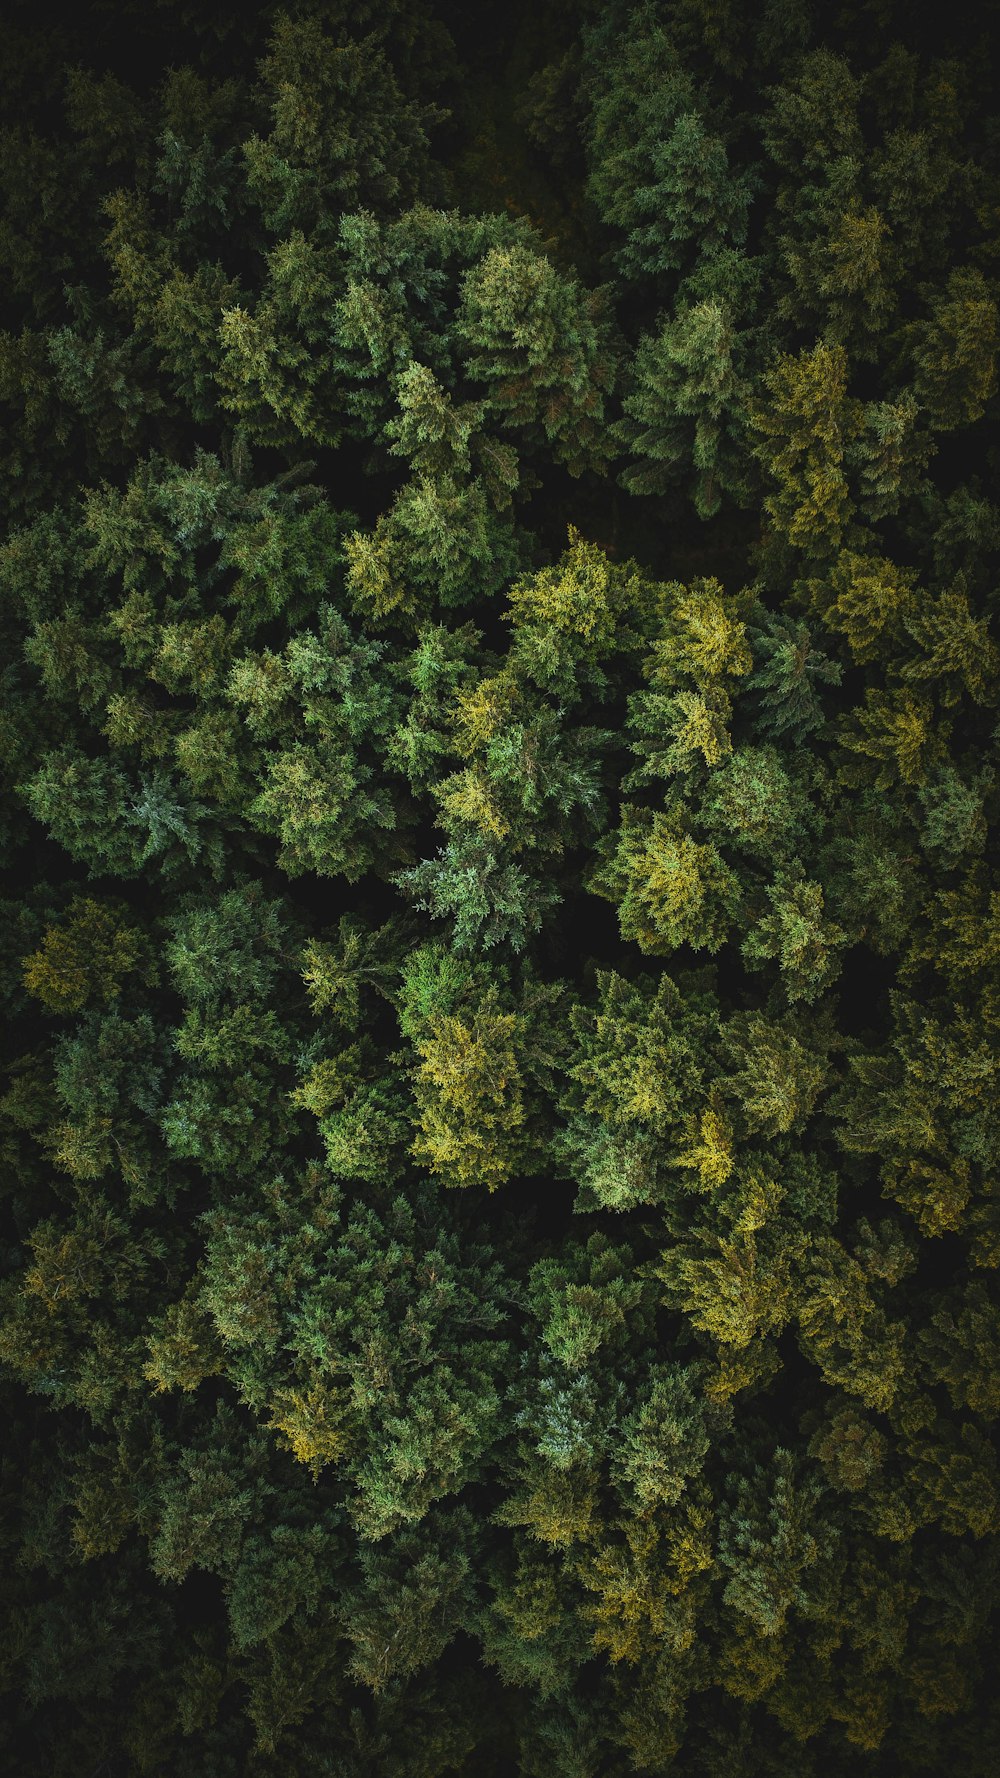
(863,988)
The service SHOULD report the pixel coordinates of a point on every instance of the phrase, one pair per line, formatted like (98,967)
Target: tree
(808,425)
(682,414)
(770,1539)
(665,1439)
(473,1079)
(85,956)
(843,279)
(669,888)
(540,345)
(954,351)
(343,136)
(796,934)
(660,173)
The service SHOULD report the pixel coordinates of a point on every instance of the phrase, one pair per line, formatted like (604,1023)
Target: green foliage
(499,920)
(665,1440)
(636,1102)
(685,408)
(538,342)
(955,351)
(342,136)
(659,175)
(314,792)
(85,956)
(768,1543)
(476,1059)
(669,888)
(808,425)
(797,934)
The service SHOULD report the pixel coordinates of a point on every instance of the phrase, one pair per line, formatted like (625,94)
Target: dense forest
(500,889)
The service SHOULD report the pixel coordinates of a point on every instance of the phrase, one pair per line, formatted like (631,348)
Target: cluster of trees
(499,908)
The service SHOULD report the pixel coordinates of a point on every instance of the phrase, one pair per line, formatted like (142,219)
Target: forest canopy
(500,889)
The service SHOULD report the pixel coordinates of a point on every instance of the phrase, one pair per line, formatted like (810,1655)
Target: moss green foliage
(499,899)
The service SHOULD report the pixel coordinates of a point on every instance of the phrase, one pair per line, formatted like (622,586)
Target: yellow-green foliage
(584,595)
(669,888)
(807,427)
(85,957)
(470,1097)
